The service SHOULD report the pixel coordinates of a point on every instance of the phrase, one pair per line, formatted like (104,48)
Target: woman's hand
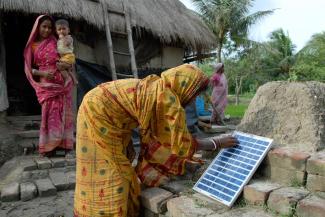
(226,142)
(48,75)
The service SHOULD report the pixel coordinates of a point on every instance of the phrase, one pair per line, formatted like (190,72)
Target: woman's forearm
(37,73)
(205,144)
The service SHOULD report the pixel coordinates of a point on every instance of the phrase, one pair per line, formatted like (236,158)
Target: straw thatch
(169,20)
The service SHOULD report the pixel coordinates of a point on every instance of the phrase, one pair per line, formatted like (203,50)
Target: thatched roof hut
(168,20)
(164,32)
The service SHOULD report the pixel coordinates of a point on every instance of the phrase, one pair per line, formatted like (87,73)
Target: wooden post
(109,40)
(4,104)
(130,39)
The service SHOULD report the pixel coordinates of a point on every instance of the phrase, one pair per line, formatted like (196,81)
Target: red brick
(287,159)
(311,207)
(258,192)
(283,200)
(284,176)
(316,164)
(315,182)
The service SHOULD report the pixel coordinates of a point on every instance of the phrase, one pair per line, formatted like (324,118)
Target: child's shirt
(65,45)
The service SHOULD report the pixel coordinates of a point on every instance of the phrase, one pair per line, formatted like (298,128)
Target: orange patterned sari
(106,184)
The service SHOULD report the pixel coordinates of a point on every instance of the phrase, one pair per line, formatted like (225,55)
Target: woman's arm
(44,74)
(214,143)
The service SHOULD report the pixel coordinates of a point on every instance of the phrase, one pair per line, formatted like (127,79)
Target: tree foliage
(228,19)
(310,63)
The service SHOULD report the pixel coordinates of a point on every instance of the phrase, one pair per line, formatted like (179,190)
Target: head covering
(187,81)
(218,70)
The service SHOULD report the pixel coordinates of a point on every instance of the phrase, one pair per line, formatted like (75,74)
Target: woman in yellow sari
(106,183)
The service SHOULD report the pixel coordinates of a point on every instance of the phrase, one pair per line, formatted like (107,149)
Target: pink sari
(219,93)
(55,96)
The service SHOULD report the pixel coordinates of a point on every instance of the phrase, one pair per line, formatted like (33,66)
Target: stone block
(59,180)
(284,200)
(184,206)
(155,199)
(284,176)
(204,201)
(58,162)
(10,192)
(28,191)
(316,164)
(315,183)
(43,163)
(176,186)
(28,164)
(28,176)
(311,207)
(258,192)
(45,187)
(287,159)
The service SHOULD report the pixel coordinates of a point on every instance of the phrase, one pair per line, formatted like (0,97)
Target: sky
(301,19)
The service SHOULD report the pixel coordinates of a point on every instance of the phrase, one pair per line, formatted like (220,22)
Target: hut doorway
(21,95)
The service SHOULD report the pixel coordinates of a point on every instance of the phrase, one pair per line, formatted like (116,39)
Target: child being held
(65,49)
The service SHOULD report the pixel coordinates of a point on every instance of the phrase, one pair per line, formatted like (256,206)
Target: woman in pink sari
(219,93)
(53,93)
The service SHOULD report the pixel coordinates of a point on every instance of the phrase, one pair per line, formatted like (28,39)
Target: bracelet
(33,71)
(214,143)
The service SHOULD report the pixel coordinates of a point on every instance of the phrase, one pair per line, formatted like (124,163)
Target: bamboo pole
(109,41)
(130,39)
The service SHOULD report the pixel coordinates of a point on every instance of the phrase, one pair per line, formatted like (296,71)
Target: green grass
(236,110)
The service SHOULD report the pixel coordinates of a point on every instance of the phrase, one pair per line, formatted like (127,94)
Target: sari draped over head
(106,183)
(54,95)
(219,91)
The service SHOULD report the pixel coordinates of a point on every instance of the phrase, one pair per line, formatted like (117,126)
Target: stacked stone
(42,177)
(286,166)
(316,172)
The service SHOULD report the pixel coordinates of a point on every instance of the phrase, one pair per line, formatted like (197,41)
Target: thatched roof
(169,20)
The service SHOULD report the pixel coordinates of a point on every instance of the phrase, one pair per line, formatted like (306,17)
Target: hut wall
(84,52)
(170,57)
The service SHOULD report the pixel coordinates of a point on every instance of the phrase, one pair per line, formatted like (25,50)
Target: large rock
(293,114)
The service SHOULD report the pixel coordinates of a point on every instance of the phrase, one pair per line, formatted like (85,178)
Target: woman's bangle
(34,71)
(214,143)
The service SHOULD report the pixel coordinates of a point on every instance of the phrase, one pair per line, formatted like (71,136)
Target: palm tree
(228,18)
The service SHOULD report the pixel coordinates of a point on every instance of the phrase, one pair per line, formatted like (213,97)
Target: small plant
(296,183)
(241,203)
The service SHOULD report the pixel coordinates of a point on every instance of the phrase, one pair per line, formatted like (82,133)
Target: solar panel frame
(227,179)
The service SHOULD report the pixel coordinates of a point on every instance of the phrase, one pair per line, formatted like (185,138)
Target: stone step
(46,175)
(28,134)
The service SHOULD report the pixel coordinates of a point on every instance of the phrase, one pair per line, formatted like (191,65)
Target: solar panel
(232,168)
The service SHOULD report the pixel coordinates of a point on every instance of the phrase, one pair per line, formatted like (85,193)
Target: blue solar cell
(233,167)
